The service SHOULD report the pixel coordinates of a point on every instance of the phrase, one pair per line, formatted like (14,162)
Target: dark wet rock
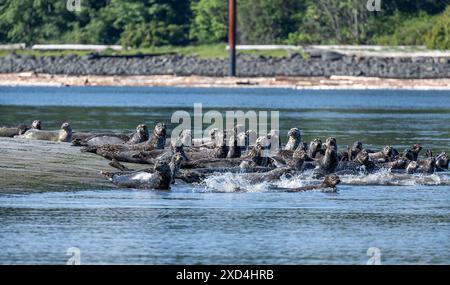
(320,63)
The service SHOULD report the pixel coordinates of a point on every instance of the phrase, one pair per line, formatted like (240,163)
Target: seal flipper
(116,164)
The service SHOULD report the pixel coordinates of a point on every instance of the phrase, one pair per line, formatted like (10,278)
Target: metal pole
(232,35)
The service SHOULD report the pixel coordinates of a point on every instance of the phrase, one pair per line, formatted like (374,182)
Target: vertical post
(232,35)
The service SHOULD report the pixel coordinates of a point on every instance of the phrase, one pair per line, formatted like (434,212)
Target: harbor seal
(295,165)
(63,135)
(383,155)
(159,178)
(235,145)
(442,161)
(175,163)
(159,135)
(352,152)
(425,167)
(415,149)
(331,142)
(398,163)
(139,136)
(128,152)
(315,147)
(328,163)
(294,139)
(361,164)
(11,132)
(408,154)
(330,181)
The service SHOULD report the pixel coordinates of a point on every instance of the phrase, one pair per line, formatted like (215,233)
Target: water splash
(236,182)
(231,182)
(388,178)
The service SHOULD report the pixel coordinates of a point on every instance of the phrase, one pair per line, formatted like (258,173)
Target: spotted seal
(408,154)
(426,166)
(383,155)
(20,129)
(315,147)
(63,135)
(415,149)
(442,161)
(133,152)
(159,178)
(140,135)
(235,145)
(352,152)
(294,139)
(400,162)
(330,182)
(362,163)
(328,163)
(295,165)
(159,135)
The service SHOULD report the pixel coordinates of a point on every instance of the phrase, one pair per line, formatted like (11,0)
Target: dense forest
(147,23)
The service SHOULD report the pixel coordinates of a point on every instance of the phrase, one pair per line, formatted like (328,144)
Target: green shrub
(407,31)
(439,35)
(151,34)
(210,22)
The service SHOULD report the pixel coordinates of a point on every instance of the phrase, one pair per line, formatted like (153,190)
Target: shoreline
(33,79)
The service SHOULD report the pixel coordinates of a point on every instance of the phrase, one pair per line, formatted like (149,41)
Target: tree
(266,21)
(337,21)
(439,35)
(210,21)
(34,21)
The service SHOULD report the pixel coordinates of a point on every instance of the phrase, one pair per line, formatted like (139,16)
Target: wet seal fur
(294,139)
(137,153)
(159,178)
(20,129)
(140,135)
(330,182)
(63,135)
(442,162)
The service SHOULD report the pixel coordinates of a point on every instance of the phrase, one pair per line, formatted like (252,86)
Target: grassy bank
(202,51)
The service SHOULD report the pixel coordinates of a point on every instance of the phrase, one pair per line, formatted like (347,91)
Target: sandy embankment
(333,82)
(33,165)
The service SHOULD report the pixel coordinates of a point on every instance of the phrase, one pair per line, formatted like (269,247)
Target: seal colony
(231,151)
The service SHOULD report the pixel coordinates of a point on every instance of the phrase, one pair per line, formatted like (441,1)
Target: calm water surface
(409,222)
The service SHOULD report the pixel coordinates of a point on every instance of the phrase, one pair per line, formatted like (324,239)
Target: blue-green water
(406,217)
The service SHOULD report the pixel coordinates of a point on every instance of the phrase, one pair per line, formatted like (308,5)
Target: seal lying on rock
(383,155)
(64,135)
(158,138)
(412,153)
(400,162)
(330,181)
(20,129)
(159,178)
(295,165)
(127,152)
(351,153)
(361,164)
(139,136)
(426,167)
